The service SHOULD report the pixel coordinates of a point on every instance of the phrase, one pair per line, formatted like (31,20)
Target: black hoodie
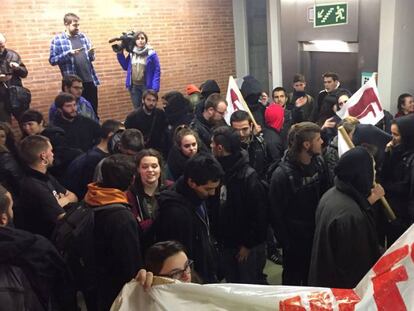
(251,91)
(42,266)
(398,172)
(345,225)
(179,219)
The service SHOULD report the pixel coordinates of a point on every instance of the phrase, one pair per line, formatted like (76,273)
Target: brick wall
(193,38)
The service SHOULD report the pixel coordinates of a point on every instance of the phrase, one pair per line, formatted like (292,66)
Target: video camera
(127,42)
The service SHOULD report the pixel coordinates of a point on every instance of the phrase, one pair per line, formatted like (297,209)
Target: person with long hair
(148,181)
(186,145)
(10,169)
(143,68)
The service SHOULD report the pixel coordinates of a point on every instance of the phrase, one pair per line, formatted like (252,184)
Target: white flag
(235,101)
(364,104)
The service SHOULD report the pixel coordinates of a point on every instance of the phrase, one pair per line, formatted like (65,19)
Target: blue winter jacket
(152,70)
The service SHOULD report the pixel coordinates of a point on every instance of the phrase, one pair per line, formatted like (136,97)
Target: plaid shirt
(60,48)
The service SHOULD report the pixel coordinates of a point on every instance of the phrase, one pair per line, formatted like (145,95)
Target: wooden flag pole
(388,210)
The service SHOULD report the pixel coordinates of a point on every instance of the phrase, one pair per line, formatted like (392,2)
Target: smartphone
(299,94)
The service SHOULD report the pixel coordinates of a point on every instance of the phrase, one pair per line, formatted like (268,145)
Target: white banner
(389,285)
(364,104)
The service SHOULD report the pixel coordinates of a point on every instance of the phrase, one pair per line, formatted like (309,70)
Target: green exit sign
(330,14)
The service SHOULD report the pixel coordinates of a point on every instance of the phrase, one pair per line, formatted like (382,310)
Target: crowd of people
(176,191)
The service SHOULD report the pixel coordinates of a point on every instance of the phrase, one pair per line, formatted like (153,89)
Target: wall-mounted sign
(330,14)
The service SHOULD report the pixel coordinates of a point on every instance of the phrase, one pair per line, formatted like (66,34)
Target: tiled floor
(274,273)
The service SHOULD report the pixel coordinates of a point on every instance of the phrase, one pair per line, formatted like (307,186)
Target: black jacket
(152,126)
(80,171)
(274,144)
(81,133)
(204,130)
(242,215)
(35,259)
(398,172)
(345,225)
(118,250)
(11,173)
(181,218)
(294,194)
(176,162)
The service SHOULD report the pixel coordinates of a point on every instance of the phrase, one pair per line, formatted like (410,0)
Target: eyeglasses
(78,87)
(220,112)
(178,274)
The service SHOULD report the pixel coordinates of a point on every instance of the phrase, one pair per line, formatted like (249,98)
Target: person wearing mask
(143,69)
(345,224)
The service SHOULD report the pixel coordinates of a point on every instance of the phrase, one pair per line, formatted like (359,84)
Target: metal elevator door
(314,64)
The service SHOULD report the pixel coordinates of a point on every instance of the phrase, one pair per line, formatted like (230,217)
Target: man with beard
(42,198)
(215,107)
(398,174)
(296,186)
(80,132)
(151,121)
(73,84)
(254,144)
(73,52)
(183,215)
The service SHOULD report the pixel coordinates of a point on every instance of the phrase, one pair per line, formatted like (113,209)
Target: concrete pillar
(274,43)
(395,55)
(240,38)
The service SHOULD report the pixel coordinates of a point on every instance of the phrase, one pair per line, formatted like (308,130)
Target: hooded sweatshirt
(117,243)
(344,218)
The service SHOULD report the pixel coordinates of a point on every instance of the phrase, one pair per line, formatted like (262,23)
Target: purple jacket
(152,70)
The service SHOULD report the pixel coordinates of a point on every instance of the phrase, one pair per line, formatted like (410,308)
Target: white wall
(396,51)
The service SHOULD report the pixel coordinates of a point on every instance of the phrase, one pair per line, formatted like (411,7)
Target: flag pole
(388,210)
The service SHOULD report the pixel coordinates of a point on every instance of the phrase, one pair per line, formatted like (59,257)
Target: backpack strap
(115,206)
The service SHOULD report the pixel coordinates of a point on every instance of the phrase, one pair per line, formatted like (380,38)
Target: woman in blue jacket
(142,67)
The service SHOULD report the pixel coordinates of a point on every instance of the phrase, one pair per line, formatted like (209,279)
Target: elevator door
(314,64)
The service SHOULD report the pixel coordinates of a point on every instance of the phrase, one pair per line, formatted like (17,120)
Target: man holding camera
(12,70)
(72,51)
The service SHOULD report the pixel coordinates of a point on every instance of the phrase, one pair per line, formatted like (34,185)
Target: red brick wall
(193,38)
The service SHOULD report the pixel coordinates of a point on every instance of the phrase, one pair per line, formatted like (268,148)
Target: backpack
(74,239)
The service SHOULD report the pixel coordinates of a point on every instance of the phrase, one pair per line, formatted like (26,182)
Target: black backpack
(74,239)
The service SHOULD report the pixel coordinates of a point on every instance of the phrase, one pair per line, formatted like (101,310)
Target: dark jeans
(90,92)
(296,261)
(136,92)
(249,271)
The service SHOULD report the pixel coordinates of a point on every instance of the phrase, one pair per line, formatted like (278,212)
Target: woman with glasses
(166,259)
(185,147)
(143,68)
